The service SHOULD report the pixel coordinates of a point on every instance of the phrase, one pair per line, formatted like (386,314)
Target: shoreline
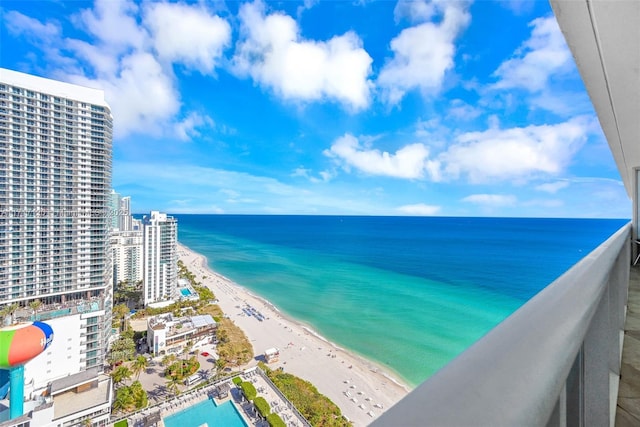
(359,386)
(372,365)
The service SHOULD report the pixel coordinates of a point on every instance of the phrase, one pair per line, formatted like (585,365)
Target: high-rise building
(127,256)
(126,244)
(114,209)
(119,212)
(124,214)
(55,181)
(160,250)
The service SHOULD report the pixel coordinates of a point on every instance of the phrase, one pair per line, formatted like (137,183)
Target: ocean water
(407,292)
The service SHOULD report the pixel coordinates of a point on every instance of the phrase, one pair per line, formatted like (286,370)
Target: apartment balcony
(555,361)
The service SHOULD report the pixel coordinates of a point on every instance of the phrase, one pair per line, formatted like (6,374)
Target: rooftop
(179,325)
(53,87)
(71,402)
(71,381)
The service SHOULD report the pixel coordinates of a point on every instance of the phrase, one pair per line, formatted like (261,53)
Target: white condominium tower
(55,181)
(127,256)
(160,257)
(125,220)
(120,214)
(126,242)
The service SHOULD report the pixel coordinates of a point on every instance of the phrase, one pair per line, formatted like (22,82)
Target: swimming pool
(185,292)
(224,415)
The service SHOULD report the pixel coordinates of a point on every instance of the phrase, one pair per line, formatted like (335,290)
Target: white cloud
(306,5)
(552,187)
(141,95)
(544,54)
(409,162)
(462,111)
(188,127)
(419,209)
(301,171)
(518,7)
(327,175)
(114,23)
(491,199)
(18,24)
(134,67)
(234,192)
(274,54)
(324,176)
(516,152)
(46,37)
(424,53)
(562,102)
(230,193)
(414,10)
(188,34)
(544,203)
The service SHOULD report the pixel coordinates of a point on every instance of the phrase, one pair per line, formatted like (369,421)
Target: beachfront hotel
(55,179)
(167,334)
(160,250)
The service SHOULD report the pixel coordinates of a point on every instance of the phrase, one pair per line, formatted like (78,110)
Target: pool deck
(278,403)
(186,400)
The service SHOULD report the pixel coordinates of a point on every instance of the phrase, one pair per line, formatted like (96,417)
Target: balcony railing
(555,361)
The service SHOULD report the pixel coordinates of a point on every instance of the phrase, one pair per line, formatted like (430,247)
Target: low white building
(67,401)
(168,334)
(271,355)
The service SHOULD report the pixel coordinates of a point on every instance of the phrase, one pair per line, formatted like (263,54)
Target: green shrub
(317,408)
(181,369)
(249,390)
(237,380)
(262,406)
(274,420)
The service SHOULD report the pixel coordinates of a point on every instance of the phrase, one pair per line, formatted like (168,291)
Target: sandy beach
(359,387)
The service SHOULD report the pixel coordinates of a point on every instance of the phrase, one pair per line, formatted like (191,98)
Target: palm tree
(123,400)
(168,359)
(139,365)
(7,313)
(187,349)
(221,364)
(172,385)
(35,305)
(140,397)
(120,374)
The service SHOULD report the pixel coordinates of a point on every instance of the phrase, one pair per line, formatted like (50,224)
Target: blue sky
(366,108)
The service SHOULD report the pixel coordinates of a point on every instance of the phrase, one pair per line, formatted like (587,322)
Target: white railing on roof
(554,362)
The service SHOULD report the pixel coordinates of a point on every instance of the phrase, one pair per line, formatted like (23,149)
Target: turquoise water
(408,293)
(224,415)
(185,292)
